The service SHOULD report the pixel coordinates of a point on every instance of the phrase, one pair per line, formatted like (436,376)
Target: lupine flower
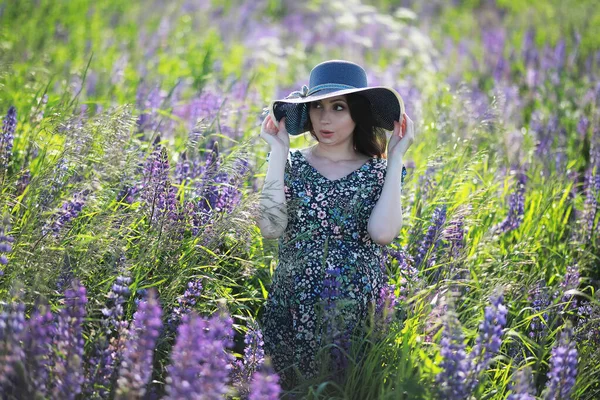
(516,209)
(582,126)
(334,331)
(454,234)
(68,359)
(254,357)
(186,302)
(5,241)
(99,371)
(254,354)
(455,363)
(522,388)
(118,295)
(199,362)
(330,291)
(385,307)
(68,211)
(588,328)
(563,368)
(489,339)
(58,178)
(136,370)
(22,182)
(205,107)
(437,221)
(12,324)
(128,193)
(219,191)
(187,170)
(39,334)
(265,385)
(540,301)
(157,192)
(150,105)
(590,207)
(7,138)
(570,281)
(407,274)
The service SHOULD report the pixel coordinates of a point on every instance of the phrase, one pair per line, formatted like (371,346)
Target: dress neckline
(326,178)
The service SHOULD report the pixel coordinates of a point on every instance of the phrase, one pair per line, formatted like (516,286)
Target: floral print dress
(325,254)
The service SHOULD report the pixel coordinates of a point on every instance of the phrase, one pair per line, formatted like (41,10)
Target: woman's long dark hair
(368,139)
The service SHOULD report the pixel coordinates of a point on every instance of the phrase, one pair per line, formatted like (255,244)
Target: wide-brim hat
(336,78)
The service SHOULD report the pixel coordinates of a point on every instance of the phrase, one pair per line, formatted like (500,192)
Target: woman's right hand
(277,137)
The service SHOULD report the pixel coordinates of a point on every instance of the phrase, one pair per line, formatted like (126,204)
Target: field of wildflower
(130,171)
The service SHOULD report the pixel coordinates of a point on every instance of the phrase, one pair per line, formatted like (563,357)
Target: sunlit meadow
(131,167)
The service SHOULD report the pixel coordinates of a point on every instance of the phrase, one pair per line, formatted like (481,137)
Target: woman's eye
(338,107)
(316,105)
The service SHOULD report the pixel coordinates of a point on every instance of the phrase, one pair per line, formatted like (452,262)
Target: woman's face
(331,120)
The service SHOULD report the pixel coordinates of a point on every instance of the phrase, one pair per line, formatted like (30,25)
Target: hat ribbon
(305,92)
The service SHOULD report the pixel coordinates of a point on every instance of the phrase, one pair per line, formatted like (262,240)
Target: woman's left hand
(402,138)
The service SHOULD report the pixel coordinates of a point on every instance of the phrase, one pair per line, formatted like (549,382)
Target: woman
(332,206)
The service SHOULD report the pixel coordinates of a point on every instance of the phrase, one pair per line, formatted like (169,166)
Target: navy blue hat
(336,78)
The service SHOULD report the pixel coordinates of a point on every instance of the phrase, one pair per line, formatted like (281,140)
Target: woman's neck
(335,153)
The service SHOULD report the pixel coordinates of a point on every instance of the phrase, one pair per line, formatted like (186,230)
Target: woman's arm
(385,221)
(272,220)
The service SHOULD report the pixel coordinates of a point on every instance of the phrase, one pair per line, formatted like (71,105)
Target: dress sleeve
(287,177)
(383,168)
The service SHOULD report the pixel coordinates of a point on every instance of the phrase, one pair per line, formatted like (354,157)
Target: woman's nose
(325,117)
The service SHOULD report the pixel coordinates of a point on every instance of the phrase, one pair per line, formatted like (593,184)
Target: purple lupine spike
(583,125)
(254,357)
(148,118)
(264,385)
(117,296)
(58,177)
(128,193)
(522,388)
(68,211)
(489,339)
(6,241)
(200,363)
(437,221)
(7,137)
(588,328)
(540,301)
(22,182)
(563,367)
(183,170)
(98,371)
(40,331)
(408,276)
(516,209)
(185,302)
(254,354)
(385,307)
(136,366)
(331,285)
(590,207)
(157,192)
(570,281)
(454,234)
(455,363)
(68,358)
(12,324)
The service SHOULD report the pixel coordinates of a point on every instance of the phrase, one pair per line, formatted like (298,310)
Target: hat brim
(386,104)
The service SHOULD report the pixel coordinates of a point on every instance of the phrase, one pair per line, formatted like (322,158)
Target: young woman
(332,206)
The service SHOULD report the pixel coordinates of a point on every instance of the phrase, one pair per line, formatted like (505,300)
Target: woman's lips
(325,132)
